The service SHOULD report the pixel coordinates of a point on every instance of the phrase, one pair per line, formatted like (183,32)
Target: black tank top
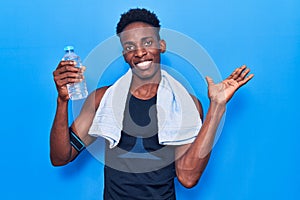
(139,167)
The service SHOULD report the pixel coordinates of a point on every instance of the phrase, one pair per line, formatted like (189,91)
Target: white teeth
(144,64)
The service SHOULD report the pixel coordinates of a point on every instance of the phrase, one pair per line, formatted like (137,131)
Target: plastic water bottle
(76,90)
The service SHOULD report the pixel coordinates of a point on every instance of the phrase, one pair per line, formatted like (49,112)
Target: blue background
(256,156)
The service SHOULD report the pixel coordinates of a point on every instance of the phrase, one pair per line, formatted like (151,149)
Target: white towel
(178,119)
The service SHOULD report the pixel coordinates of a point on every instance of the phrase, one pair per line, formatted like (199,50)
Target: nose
(140,52)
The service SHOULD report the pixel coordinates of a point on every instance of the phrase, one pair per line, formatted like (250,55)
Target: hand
(222,92)
(66,73)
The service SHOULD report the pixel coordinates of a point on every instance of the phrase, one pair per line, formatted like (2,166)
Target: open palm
(223,91)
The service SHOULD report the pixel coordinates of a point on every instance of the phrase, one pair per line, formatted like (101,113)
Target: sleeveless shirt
(139,167)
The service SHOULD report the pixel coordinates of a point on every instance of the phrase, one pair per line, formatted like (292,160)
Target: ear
(163,46)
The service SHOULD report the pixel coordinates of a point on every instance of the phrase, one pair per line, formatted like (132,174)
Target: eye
(148,43)
(129,47)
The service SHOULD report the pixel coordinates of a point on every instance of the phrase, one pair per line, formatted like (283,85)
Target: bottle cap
(69,48)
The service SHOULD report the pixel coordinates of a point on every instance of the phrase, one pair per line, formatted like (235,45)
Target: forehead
(136,31)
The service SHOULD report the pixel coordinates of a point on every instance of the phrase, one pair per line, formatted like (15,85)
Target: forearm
(191,164)
(60,148)
(205,139)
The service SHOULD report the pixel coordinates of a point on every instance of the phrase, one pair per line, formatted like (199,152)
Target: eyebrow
(132,43)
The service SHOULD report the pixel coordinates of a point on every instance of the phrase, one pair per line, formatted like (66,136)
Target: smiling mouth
(144,64)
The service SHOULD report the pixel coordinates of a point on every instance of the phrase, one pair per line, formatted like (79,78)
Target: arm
(191,159)
(61,151)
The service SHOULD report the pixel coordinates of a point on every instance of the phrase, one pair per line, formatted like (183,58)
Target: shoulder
(93,101)
(98,95)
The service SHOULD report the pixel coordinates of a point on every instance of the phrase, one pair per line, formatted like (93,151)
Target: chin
(147,74)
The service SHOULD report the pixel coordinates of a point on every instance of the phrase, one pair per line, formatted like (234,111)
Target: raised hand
(223,91)
(66,73)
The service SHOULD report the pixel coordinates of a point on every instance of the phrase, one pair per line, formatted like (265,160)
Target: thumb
(209,80)
(83,68)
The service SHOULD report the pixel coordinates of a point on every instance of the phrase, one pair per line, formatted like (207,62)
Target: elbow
(188,181)
(188,176)
(56,162)
(60,157)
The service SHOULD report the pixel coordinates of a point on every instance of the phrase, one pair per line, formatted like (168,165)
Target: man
(139,164)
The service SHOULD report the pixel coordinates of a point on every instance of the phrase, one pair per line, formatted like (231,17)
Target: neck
(144,89)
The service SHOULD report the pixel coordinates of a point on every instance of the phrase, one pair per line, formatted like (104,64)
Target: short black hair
(137,15)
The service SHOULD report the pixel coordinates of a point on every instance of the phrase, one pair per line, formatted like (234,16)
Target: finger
(66,62)
(83,68)
(245,80)
(63,82)
(209,81)
(238,71)
(243,75)
(66,78)
(66,68)
(69,75)
(233,74)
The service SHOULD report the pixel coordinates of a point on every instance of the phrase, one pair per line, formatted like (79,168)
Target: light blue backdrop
(257,155)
